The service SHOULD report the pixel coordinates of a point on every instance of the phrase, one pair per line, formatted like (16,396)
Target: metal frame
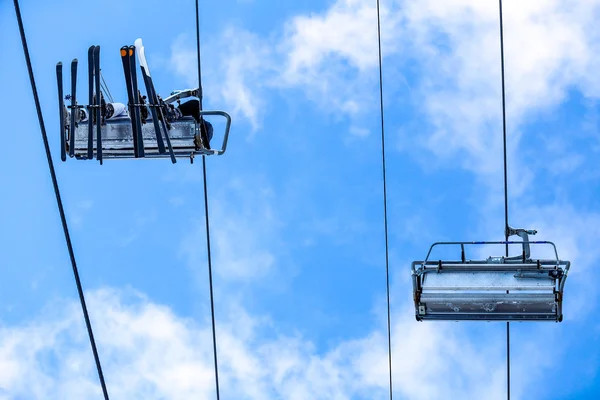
(535,291)
(75,127)
(182,147)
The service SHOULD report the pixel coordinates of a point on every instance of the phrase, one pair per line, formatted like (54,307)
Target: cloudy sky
(296,203)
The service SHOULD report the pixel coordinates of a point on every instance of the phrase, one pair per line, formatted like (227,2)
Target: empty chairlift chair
(518,288)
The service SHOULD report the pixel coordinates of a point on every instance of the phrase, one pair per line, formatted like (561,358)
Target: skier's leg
(191,108)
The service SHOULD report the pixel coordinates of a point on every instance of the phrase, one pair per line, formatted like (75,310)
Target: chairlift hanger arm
(524,234)
(520,232)
(181,94)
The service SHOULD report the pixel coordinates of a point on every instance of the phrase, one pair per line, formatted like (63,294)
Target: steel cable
(206,215)
(506,230)
(59,202)
(385,214)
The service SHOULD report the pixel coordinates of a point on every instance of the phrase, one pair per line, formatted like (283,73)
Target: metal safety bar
(225,136)
(510,242)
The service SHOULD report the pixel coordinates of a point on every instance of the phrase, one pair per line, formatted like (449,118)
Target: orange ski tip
(123,52)
(130,52)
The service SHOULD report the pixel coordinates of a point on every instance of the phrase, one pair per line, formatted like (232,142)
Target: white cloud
(245,231)
(235,69)
(346,31)
(549,49)
(148,352)
(243,63)
(359,132)
(184,60)
(79,211)
(576,233)
(331,56)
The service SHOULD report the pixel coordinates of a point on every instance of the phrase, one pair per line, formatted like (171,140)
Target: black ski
(155,107)
(98,104)
(61,115)
(91,114)
(163,123)
(136,98)
(138,147)
(74,109)
(151,103)
(125,61)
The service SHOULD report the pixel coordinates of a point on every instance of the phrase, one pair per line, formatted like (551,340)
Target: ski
(136,98)
(91,114)
(125,61)
(139,48)
(61,105)
(137,147)
(74,109)
(98,104)
(154,103)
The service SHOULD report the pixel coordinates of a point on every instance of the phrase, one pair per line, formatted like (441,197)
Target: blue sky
(296,203)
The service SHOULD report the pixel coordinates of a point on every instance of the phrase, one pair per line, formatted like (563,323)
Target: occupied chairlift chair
(147,127)
(496,289)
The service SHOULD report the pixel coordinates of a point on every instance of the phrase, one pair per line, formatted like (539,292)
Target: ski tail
(61,106)
(74,108)
(98,104)
(155,119)
(90,154)
(165,129)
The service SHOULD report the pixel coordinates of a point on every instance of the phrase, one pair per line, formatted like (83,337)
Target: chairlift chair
(146,127)
(517,288)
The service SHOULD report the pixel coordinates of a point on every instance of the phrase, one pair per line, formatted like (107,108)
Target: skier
(192,108)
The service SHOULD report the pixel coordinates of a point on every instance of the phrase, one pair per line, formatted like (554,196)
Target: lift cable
(59,201)
(506,230)
(210,278)
(385,216)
